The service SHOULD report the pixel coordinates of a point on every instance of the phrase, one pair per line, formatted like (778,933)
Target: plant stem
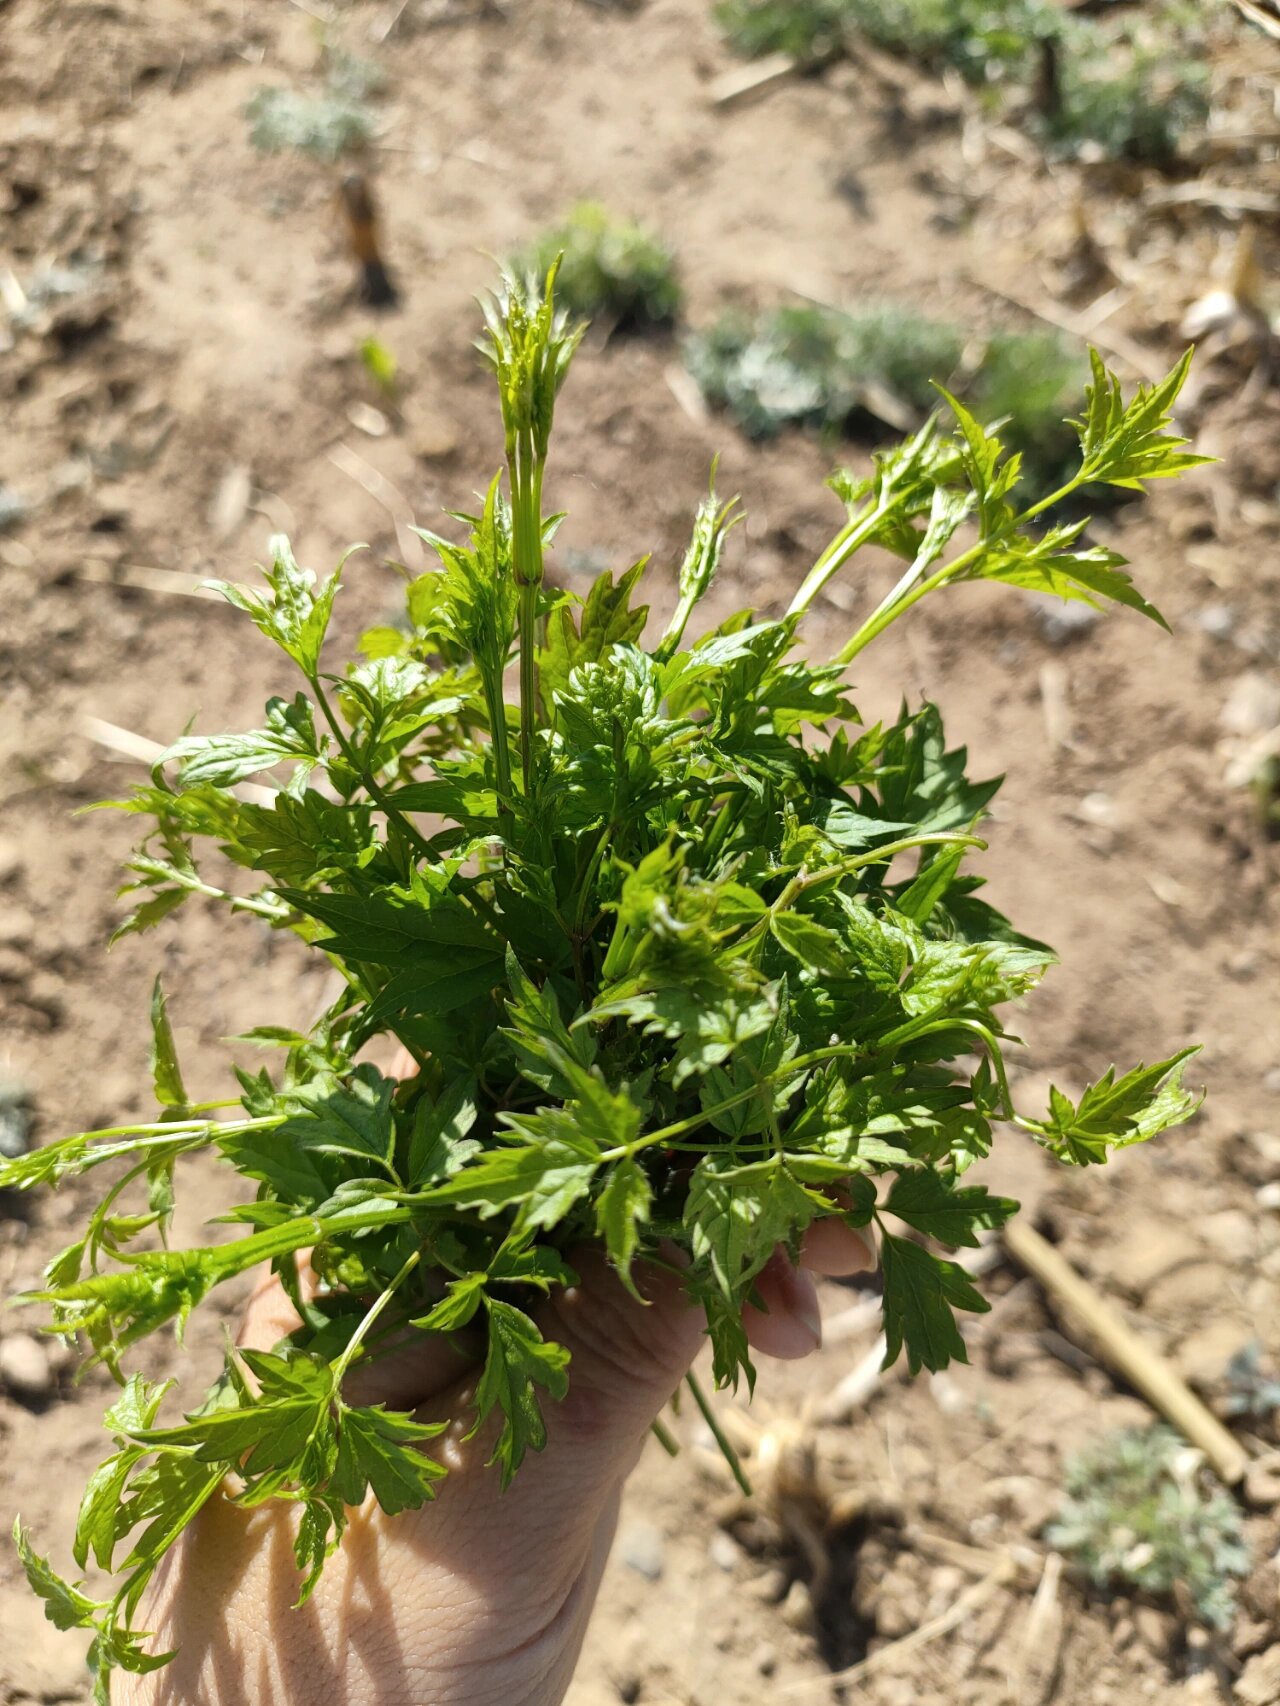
(353,1343)
(664,1436)
(718,1434)
(526,547)
(851,537)
(904,595)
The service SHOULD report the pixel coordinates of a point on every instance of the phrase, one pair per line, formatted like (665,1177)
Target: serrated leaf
(950,1213)
(519,1360)
(1116,1112)
(457,1307)
(165,1072)
(816,947)
(921,1293)
(64,1604)
(354,1119)
(439,1146)
(381,1449)
(622,1208)
(542,1180)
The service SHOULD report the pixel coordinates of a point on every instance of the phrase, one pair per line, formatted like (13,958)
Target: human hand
(482,1598)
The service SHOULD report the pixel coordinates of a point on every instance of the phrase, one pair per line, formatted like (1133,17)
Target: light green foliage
(1139,1516)
(611,268)
(668,980)
(1127,88)
(1252,1390)
(983,39)
(337,119)
(1131,91)
(817,366)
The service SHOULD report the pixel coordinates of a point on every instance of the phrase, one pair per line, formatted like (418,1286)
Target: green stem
(664,1436)
(353,1343)
(903,596)
(368,781)
(846,543)
(717,1432)
(526,545)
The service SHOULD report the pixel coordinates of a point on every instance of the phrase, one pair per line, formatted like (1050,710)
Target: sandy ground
(216,353)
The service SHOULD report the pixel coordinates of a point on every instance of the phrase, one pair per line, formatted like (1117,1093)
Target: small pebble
(723,1552)
(641,1548)
(1218,621)
(16,927)
(1156,1630)
(1269,1195)
(1062,623)
(797,1609)
(24,1366)
(765,1658)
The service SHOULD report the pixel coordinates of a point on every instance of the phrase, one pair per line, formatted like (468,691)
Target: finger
(790,1323)
(628,1356)
(832,1247)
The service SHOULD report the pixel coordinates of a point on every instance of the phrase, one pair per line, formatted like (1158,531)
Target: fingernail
(802,1301)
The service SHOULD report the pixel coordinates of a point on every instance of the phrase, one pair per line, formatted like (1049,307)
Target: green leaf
(458,1306)
(622,1208)
(403,929)
(991,479)
(950,1213)
(737,1216)
(1123,446)
(295,616)
(816,947)
(351,1120)
(382,1449)
(165,1072)
(440,1146)
(542,1179)
(921,1293)
(519,1360)
(64,1605)
(1116,1112)
(1051,564)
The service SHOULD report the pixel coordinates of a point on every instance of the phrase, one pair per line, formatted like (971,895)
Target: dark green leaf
(950,1213)
(921,1293)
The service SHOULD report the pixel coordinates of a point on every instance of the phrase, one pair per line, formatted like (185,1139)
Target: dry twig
(748,82)
(1124,1351)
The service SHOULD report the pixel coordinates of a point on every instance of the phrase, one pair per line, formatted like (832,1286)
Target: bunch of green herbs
(678,944)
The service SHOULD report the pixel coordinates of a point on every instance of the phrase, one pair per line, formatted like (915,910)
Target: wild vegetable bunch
(685,953)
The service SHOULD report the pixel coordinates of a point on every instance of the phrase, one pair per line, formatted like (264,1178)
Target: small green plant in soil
(337,120)
(671,972)
(1252,1389)
(844,373)
(610,269)
(1123,99)
(1138,1517)
(982,39)
(1128,88)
